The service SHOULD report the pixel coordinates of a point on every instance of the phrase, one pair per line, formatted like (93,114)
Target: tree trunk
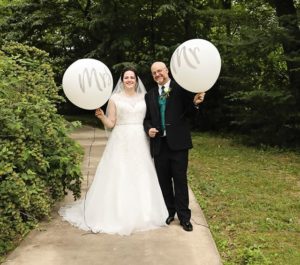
(226,4)
(152,36)
(287,15)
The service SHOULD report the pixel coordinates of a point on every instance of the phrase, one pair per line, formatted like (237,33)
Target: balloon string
(87,179)
(204,225)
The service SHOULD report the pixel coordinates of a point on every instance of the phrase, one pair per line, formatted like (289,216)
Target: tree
(258,47)
(288,19)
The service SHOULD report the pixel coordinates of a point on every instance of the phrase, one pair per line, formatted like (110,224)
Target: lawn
(250,198)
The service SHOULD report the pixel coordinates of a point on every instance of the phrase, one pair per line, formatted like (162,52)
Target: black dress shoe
(169,220)
(187,226)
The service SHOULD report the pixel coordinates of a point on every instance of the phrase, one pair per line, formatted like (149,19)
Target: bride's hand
(99,113)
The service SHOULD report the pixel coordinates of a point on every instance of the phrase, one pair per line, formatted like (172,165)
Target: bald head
(160,73)
(158,65)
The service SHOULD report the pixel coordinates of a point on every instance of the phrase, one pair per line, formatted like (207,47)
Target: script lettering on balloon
(106,78)
(89,76)
(182,53)
(87,83)
(196,65)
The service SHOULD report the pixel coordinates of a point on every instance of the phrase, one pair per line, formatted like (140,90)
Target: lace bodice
(130,109)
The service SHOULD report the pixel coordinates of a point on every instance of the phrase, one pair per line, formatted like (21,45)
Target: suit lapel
(170,98)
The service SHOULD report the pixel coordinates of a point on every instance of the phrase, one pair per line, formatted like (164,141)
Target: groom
(165,123)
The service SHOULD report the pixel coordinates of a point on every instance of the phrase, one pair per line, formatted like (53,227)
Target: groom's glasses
(158,71)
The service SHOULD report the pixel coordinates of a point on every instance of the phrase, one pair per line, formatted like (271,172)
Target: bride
(125,195)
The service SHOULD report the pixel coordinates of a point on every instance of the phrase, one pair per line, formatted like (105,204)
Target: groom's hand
(199,97)
(152,132)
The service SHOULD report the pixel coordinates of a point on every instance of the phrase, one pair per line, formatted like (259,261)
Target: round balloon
(87,83)
(196,65)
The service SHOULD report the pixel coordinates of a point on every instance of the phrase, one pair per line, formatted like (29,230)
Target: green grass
(251,199)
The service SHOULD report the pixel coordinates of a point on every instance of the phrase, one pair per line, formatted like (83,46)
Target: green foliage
(58,27)
(253,256)
(258,89)
(253,95)
(39,162)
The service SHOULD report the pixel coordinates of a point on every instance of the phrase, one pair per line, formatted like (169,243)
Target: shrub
(38,161)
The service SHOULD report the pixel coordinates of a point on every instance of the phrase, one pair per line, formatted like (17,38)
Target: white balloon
(87,83)
(196,65)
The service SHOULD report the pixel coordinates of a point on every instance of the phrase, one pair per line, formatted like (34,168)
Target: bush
(38,161)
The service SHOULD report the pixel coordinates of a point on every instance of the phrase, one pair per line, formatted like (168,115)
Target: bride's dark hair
(129,68)
(119,88)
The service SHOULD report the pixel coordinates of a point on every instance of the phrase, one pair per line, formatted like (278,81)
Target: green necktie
(162,108)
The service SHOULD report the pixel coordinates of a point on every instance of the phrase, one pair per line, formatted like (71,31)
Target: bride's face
(129,80)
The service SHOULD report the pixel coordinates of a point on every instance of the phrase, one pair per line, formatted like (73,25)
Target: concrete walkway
(58,243)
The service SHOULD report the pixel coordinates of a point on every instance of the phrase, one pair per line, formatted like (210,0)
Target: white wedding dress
(125,195)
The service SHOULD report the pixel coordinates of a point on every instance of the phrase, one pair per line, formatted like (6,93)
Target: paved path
(58,243)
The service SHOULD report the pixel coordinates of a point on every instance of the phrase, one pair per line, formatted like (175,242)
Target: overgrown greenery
(259,41)
(250,198)
(38,160)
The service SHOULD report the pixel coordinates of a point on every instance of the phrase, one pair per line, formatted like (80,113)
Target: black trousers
(171,168)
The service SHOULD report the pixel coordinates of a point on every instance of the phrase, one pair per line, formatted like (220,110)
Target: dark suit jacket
(178,105)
